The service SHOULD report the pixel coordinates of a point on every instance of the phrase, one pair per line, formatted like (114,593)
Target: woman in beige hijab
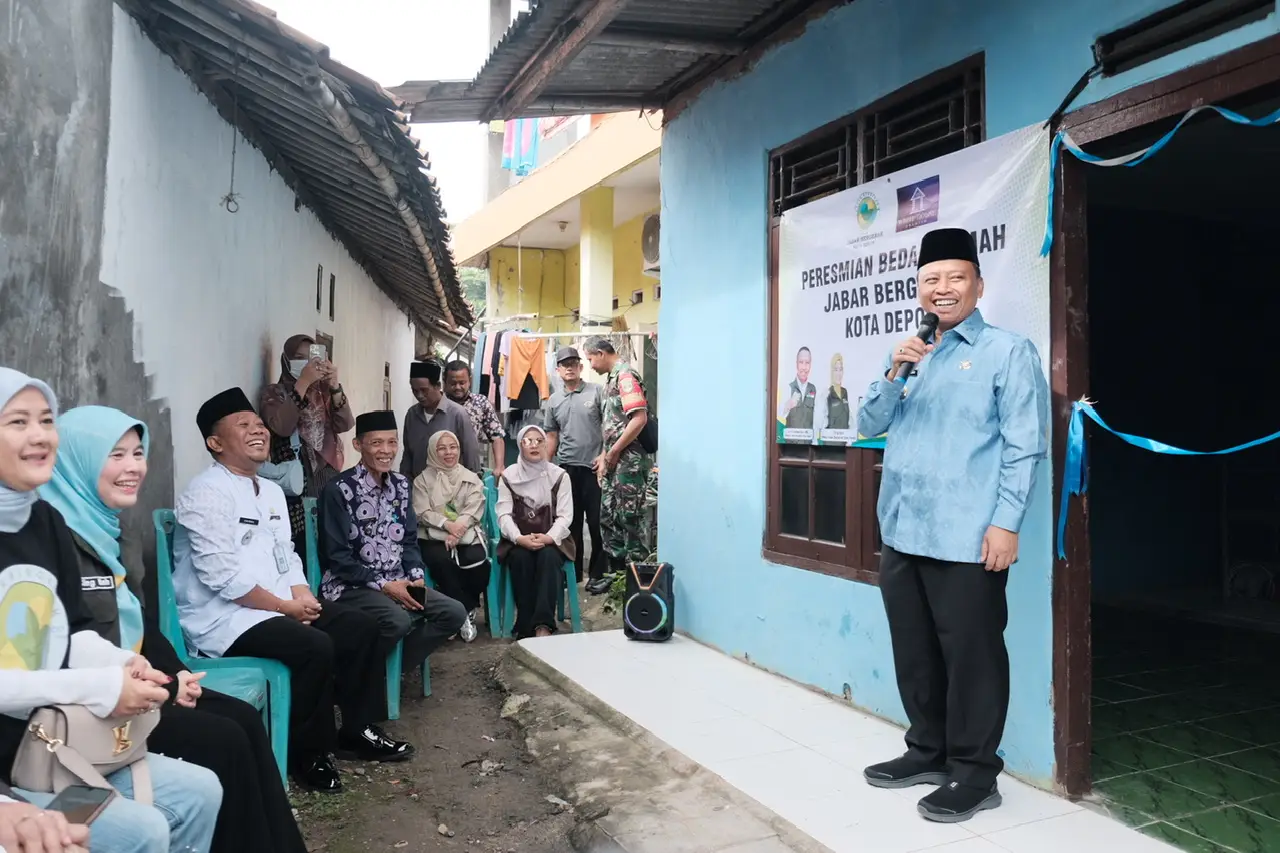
(449,500)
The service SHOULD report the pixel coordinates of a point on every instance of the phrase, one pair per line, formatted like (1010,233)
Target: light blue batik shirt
(965,436)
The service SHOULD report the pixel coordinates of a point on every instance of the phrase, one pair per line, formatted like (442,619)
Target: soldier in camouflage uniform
(622,466)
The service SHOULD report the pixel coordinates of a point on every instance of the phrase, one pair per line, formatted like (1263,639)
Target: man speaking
(966,409)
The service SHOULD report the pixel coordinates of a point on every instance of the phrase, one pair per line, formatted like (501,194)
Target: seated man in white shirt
(241,591)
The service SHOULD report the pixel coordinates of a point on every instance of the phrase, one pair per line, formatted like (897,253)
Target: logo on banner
(918,203)
(868,210)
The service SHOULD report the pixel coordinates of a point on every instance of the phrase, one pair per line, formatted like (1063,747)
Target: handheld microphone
(928,326)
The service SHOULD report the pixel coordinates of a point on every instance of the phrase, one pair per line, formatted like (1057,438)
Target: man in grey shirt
(435,412)
(575,438)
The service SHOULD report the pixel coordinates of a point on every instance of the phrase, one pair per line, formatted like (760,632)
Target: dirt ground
(471,786)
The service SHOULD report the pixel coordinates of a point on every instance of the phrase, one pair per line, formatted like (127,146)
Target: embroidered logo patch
(965,365)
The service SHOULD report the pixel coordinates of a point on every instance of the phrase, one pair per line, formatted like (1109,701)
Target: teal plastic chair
(568,589)
(262,683)
(395,660)
(494,600)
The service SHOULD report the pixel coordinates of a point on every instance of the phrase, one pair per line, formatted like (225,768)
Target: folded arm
(97,688)
(880,407)
(506,524)
(410,556)
(564,511)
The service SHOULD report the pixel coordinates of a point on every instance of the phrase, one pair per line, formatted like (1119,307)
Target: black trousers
(464,585)
(423,631)
(586,503)
(335,659)
(537,577)
(226,736)
(947,621)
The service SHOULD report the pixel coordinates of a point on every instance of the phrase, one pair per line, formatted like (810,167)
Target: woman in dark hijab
(306,411)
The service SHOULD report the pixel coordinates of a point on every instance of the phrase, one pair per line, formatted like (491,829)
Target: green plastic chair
(568,589)
(494,601)
(262,683)
(395,660)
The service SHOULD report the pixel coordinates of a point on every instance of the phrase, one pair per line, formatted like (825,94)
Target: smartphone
(82,804)
(418,594)
(318,352)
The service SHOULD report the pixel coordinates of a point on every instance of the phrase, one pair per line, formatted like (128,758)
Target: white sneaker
(468,630)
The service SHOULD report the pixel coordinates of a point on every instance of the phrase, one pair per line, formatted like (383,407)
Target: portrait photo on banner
(847,274)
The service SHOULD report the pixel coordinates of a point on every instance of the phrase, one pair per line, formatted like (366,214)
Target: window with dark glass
(822,500)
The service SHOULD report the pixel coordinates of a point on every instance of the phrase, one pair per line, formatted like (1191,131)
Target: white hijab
(532,480)
(15,506)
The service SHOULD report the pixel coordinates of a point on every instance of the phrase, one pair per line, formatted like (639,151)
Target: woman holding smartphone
(51,655)
(100,470)
(306,411)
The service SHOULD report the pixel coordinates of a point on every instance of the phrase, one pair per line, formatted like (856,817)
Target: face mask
(296,367)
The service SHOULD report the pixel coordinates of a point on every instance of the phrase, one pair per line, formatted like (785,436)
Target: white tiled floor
(801,754)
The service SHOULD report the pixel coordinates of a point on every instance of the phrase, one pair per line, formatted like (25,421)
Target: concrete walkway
(800,754)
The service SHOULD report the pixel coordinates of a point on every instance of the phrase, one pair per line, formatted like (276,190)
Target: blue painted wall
(816,629)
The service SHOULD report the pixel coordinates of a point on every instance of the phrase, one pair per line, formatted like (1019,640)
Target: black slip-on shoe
(955,803)
(904,772)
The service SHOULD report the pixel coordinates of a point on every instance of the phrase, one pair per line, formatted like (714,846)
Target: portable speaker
(649,605)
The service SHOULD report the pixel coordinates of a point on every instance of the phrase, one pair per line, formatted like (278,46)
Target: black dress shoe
(954,802)
(904,772)
(319,775)
(372,744)
(599,586)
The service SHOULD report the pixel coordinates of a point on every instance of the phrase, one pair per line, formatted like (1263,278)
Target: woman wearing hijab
(535,506)
(306,411)
(837,396)
(99,472)
(62,661)
(448,500)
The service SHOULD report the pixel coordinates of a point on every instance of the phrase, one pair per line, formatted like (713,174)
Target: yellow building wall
(551,277)
(628,263)
(526,281)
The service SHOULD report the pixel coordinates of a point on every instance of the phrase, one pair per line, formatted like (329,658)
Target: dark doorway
(1185,550)
(1180,232)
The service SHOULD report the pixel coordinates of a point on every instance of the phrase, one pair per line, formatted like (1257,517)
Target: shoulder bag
(67,745)
(529,521)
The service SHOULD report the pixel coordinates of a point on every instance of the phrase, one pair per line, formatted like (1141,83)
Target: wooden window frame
(858,558)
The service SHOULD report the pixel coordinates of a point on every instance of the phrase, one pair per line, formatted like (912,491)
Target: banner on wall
(847,274)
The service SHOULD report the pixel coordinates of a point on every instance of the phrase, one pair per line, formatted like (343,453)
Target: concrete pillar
(496,179)
(499,21)
(595,285)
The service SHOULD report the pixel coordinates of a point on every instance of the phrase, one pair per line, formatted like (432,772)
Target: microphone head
(928,326)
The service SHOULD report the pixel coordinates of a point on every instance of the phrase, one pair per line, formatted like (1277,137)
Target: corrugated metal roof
(271,80)
(648,52)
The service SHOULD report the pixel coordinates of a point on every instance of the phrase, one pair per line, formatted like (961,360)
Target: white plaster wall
(215,294)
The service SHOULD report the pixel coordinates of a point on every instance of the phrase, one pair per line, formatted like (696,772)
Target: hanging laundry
(509,145)
(520,142)
(477,363)
(527,383)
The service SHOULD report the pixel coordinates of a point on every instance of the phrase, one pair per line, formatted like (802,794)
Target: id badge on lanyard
(281,552)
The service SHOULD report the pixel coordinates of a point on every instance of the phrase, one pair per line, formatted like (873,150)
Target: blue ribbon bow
(1075,476)
(1063,140)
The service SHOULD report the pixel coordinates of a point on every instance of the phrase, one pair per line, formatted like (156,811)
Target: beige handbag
(67,745)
